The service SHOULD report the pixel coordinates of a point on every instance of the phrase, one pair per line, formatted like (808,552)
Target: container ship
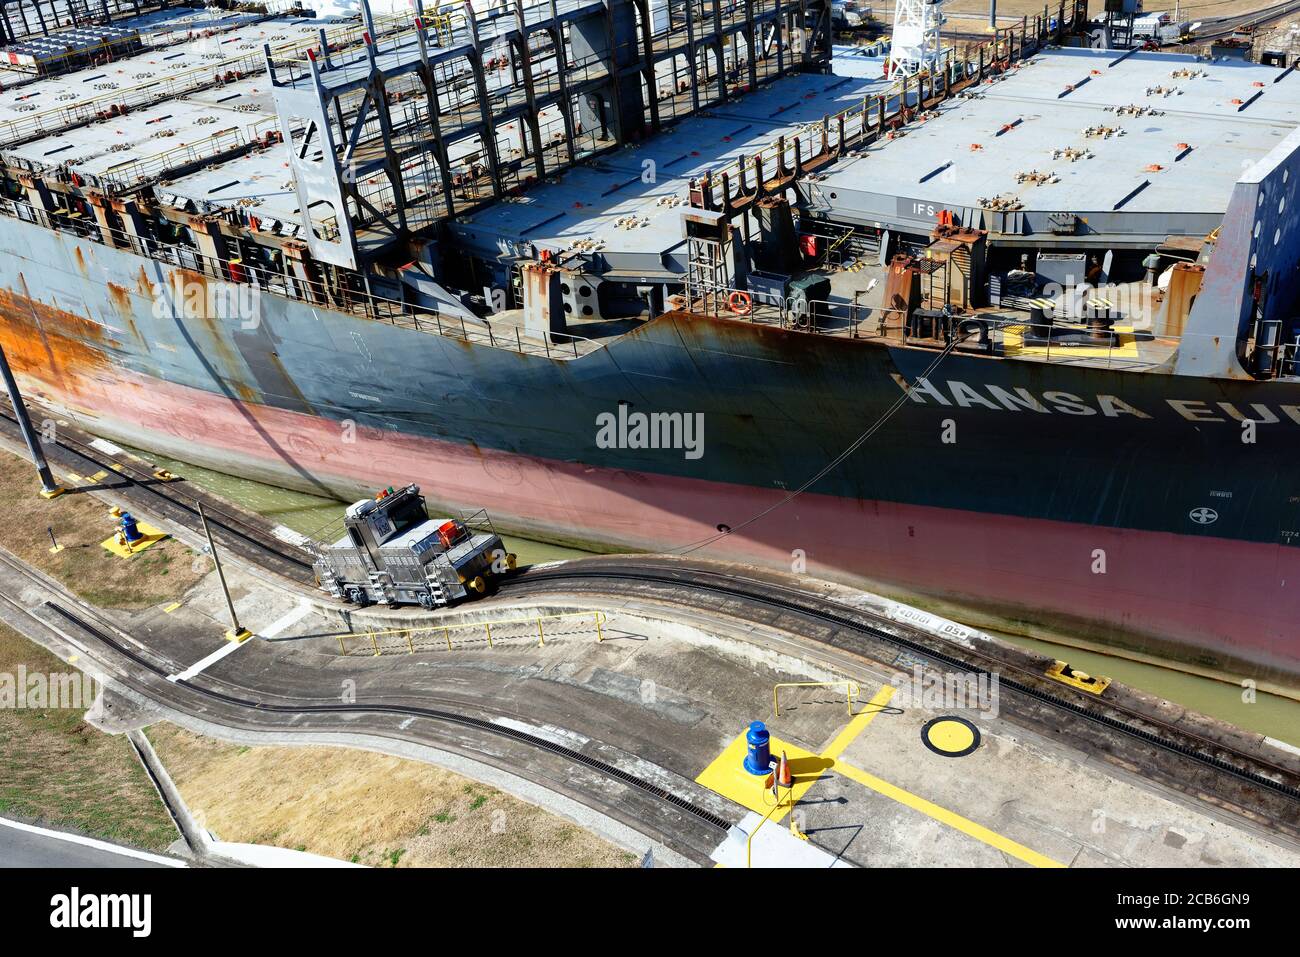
(1013,334)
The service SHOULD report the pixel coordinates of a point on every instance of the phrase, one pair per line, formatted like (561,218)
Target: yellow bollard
(488,626)
(446,633)
(541,638)
(342,649)
(373,640)
(600,634)
(410,643)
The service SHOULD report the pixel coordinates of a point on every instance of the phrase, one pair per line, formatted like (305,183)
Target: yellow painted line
(99,476)
(944,816)
(859,723)
(172,607)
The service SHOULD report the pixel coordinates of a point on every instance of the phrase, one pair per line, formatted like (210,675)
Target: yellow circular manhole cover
(950,736)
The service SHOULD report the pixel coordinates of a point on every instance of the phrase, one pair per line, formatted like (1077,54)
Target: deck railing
(1007,334)
(340,297)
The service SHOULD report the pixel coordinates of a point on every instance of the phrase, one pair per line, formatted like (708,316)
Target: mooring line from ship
(833,463)
(434,714)
(215,513)
(800,607)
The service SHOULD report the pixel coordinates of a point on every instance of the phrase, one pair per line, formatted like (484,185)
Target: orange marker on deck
(783,776)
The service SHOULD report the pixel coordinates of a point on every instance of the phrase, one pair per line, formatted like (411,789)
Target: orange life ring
(739,302)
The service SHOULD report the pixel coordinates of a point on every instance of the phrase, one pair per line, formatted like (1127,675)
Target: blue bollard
(758,757)
(130,530)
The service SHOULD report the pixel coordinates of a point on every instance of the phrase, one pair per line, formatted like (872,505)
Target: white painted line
(97,845)
(105,446)
(280,624)
(1282,745)
(774,846)
(570,739)
(264,855)
(226,648)
(288,620)
(286,534)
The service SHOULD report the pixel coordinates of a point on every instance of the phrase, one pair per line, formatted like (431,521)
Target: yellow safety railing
(372,636)
(851,691)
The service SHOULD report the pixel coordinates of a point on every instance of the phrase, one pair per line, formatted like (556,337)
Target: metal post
(237,632)
(993,14)
(49,488)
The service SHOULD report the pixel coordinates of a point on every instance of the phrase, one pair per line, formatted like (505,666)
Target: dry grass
(80,522)
(368,808)
(56,769)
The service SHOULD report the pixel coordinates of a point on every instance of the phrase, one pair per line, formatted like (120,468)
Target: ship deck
(624,210)
(1137,145)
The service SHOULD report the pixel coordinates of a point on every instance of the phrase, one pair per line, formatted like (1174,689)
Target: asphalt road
(20,847)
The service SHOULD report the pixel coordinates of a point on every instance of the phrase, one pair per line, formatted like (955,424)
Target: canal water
(1267,714)
(309,514)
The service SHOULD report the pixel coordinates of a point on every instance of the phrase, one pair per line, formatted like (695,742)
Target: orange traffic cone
(783,776)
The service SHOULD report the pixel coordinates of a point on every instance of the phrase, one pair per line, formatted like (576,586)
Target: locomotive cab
(393,553)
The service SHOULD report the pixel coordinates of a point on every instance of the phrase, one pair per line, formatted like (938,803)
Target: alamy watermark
(651,430)
(235,301)
(39,690)
(936,691)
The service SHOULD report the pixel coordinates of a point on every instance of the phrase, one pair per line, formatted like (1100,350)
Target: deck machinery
(392,553)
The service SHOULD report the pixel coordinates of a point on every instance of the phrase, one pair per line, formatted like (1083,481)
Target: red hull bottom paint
(1193,598)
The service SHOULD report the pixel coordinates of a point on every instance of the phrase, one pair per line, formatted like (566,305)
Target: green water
(1268,714)
(309,514)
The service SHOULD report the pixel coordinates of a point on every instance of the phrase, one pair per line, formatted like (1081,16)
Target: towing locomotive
(393,553)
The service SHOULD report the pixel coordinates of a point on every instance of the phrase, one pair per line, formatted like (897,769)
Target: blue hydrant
(758,756)
(130,530)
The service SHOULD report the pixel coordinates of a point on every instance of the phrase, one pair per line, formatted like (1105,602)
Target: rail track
(296,561)
(1226,26)
(1160,734)
(103,636)
(598,575)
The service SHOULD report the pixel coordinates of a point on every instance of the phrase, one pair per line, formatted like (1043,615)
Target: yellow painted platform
(728,777)
(1013,344)
(152,536)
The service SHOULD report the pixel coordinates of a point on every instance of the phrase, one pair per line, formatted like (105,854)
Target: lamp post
(49,488)
(237,632)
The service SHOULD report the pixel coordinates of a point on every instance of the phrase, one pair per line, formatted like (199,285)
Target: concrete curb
(616,832)
(196,839)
